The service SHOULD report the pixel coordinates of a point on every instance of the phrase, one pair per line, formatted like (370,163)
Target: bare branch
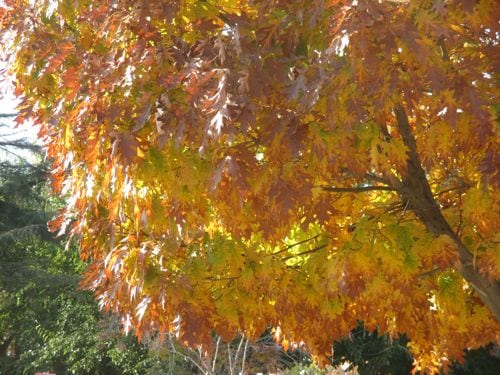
(306,252)
(357,189)
(244,357)
(7,115)
(428,273)
(294,244)
(216,353)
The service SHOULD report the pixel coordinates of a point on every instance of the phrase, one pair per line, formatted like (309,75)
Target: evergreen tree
(46,322)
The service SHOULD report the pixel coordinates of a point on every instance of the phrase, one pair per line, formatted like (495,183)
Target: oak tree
(234,164)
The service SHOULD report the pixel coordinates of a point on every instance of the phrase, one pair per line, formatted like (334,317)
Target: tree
(46,323)
(306,164)
(373,354)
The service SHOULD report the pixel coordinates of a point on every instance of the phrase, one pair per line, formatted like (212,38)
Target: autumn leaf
(234,165)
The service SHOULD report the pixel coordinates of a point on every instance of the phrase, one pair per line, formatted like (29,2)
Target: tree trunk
(4,346)
(415,190)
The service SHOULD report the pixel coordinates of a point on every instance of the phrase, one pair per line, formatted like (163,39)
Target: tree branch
(415,189)
(374,177)
(294,244)
(7,115)
(357,189)
(305,252)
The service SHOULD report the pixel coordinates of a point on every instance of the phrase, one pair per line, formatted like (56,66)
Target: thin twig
(294,244)
(357,189)
(428,273)
(244,358)
(216,353)
(230,359)
(460,216)
(186,357)
(238,351)
(306,252)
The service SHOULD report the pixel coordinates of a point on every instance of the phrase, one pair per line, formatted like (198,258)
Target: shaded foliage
(481,361)
(372,353)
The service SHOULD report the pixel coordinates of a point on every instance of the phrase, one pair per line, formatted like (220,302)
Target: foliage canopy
(303,164)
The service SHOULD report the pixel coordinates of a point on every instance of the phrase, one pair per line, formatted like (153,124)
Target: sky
(8,105)
(7,99)
(8,132)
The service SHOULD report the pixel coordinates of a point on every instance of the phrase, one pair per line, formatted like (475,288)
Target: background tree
(45,322)
(371,353)
(244,163)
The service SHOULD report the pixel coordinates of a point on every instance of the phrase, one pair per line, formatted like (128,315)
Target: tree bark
(414,189)
(4,346)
